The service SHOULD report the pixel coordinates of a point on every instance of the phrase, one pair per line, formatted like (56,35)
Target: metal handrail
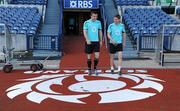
(105,25)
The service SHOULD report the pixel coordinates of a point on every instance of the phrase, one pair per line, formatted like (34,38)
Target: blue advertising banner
(81,4)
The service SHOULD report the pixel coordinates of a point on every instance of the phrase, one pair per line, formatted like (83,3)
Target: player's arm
(110,38)
(124,37)
(100,37)
(100,33)
(85,28)
(109,35)
(86,37)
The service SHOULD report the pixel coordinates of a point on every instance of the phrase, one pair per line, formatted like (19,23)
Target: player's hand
(88,42)
(114,43)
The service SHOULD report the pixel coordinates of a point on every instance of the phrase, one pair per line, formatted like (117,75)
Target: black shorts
(93,47)
(115,48)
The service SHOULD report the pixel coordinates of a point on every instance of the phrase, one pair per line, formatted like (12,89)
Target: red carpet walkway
(74,56)
(65,90)
(167,100)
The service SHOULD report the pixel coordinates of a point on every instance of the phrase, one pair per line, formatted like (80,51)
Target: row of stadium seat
(147,21)
(178,11)
(34,2)
(22,20)
(132,2)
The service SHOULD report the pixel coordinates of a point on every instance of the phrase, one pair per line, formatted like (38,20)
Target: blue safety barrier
(45,42)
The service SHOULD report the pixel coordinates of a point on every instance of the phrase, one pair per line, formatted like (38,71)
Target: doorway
(73,22)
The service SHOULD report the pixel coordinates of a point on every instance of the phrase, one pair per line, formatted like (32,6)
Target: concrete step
(46,53)
(110,10)
(50,29)
(128,49)
(52,17)
(128,55)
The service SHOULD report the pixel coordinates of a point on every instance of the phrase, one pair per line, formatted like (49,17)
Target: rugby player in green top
(117,36)
(92,30)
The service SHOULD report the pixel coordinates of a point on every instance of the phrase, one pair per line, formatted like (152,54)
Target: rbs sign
(81,4)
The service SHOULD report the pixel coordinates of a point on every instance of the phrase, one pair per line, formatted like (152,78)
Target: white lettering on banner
(81,4)
(90,4)
(73,4)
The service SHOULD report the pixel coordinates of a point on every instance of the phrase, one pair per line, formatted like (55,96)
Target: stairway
(52,18)
(50,27)
(110,10)
(129,52)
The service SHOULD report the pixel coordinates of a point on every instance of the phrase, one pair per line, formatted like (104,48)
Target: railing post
(105,25)
(138,43)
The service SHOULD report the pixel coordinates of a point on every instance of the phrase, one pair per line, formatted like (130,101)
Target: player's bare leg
(112,63)
(119,63)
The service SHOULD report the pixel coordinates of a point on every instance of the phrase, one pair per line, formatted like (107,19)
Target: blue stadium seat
(132,2)
(178,11)
(34,2)
(147,21)
(23,20)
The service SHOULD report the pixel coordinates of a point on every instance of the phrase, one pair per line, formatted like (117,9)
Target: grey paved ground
(49,64)
(151,62)
(130,63)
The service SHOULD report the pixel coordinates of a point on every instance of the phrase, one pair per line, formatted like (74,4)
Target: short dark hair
(118,16)
(94,12)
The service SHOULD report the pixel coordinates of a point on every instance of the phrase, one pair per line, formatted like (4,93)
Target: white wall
(19,42)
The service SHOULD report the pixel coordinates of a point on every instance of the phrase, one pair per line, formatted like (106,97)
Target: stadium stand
(147,21)
(132,2)
(20,20)
(34,2)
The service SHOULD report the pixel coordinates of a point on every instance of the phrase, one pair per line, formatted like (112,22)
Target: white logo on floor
(110,88)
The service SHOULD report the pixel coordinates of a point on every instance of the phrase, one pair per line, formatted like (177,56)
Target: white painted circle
(97,86)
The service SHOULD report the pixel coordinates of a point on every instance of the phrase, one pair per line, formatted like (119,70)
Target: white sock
(112,68)
(119,68)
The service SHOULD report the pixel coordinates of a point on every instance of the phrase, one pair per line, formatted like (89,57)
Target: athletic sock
(119,68)
(89,64)
(112,67)
(95,63)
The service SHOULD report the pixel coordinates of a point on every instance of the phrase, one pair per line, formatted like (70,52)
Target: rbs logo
(81,4)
